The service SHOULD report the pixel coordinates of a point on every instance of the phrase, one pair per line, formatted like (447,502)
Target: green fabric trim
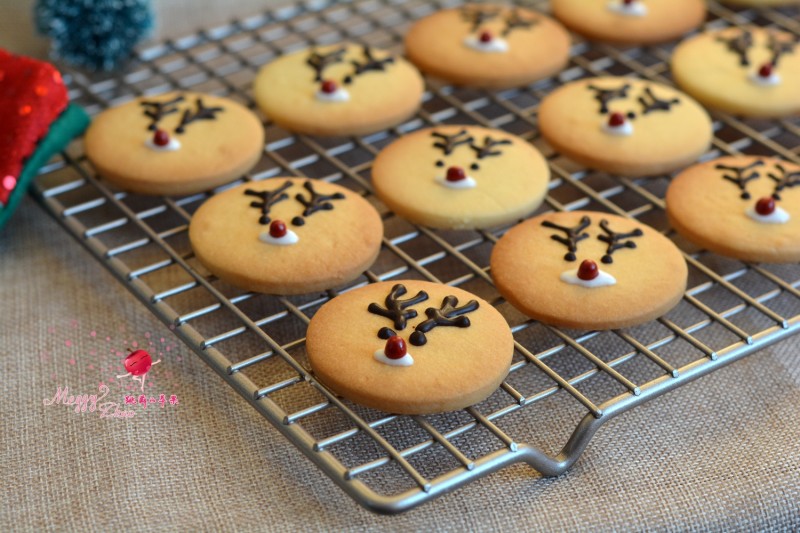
(71,123)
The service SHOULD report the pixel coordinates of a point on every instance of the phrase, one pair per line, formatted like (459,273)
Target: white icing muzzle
(779,216)
(634,9)
(171,146)
(623,130)
(495,46)
(406,360)
(339,95)
(288,239)
(771,80)
(603,279)
(467,183)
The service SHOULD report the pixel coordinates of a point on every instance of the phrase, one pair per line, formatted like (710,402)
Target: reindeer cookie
(175,143)
(410,347)
(630,21)
(345,89)
(588,270)
(460,177)
(744,207)
(286,235)
(625,126)
(488,46)
(748,71)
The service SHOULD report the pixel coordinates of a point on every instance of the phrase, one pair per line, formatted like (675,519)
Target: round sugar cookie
(744,207)
(344,89)
(588,270)
(460,177)
(630,23)
(174,143)
(751,71)
(410,347)
(625,126)
(286,235)
(488,46)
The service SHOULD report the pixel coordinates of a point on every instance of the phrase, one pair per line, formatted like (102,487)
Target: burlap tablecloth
(720,453)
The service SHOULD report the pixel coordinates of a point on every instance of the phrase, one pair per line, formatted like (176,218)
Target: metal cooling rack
(563,385)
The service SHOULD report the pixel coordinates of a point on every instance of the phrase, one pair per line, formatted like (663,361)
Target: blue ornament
(96,34)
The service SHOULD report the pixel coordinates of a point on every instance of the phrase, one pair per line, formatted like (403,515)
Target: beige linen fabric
(719,454)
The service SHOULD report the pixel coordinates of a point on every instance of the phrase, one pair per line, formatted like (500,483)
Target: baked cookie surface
(588,270)
(286,235)
(460,177)
(344,89)
(743,207)
(633,22)
(410,347)
(488,46)
(625,126)
(174,143)
(748,71)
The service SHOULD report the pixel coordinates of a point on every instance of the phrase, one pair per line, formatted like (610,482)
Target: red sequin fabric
(32,95)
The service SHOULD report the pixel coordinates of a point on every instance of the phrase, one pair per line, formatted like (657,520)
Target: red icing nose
(616,119)
(160,138)
(329,86)
(766,70)
(588,270)
(138,362)
(395,347)
(765,206)
(485,37)
(628,2)
(277,229)
(456,174)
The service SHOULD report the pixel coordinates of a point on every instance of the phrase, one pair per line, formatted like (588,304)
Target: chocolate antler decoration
(449,143)
(739,45)
(616,240)
(486,150)
(476,16)
(319,62)
(574,235)
(369,64)
(396,309)
(514,21)
(268,199)
(740,176)
(201,113)
(447,315)
(604,96)
(654,103)
(158,110)
(316,202)
(779,47)
(783,180)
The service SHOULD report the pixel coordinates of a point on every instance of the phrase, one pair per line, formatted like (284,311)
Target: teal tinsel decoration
(96,34)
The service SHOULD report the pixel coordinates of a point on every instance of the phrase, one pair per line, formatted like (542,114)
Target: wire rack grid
(562,386)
